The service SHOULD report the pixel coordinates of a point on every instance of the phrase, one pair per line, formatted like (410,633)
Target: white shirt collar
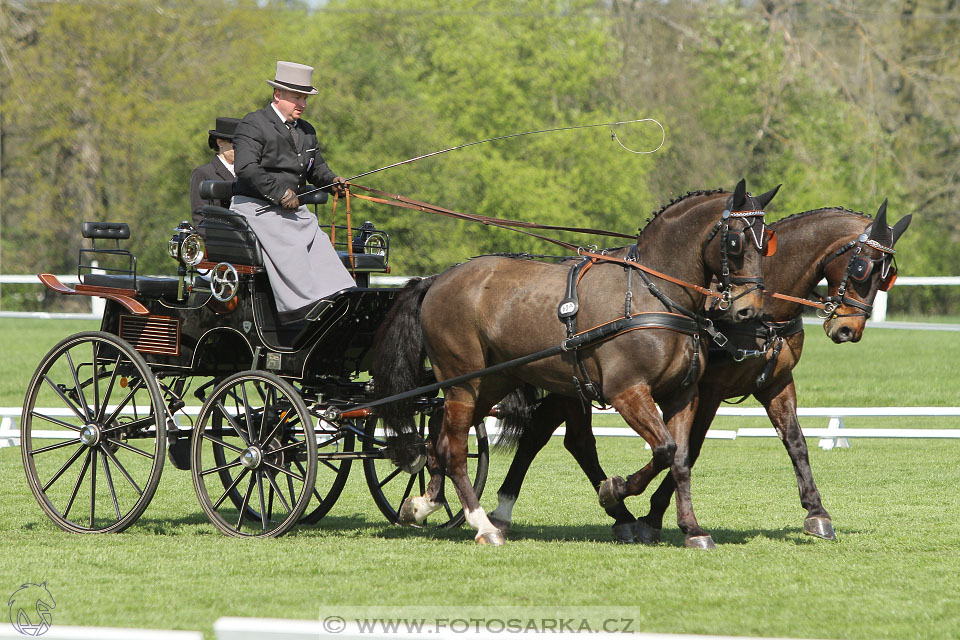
(228,165)
(280,115)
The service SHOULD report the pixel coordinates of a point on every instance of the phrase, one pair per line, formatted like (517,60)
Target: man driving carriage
(276,154)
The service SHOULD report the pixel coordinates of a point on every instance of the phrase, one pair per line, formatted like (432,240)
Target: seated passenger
(219,168)
(276,155)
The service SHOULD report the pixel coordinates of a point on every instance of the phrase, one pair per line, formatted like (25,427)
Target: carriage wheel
(253,440)
(333,468)
(93,434)
(390,485)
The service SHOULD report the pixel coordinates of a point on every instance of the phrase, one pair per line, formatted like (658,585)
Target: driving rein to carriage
(676,318)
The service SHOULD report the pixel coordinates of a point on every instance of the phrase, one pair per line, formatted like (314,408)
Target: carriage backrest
(228,237)
(223,190)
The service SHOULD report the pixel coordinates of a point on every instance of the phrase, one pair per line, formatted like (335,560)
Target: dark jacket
(213,170)
(268,162)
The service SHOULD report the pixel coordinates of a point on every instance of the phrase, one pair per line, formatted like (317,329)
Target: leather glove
(289,200)
(339,186)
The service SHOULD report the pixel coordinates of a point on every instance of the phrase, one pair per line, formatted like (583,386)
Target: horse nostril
(745,314)
(845,333)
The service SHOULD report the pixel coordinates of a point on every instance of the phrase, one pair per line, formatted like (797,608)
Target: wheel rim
(93,434)
(390,485)
(252,463)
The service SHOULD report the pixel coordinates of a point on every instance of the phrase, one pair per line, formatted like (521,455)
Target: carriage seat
(228,238)
(145,285)
(152,286)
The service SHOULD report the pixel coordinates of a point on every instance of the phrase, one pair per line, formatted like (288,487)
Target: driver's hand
(340,186)
(289,200)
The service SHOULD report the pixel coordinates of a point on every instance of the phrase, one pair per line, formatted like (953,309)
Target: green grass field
(894,572)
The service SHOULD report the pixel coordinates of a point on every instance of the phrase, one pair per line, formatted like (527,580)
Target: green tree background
(105,107)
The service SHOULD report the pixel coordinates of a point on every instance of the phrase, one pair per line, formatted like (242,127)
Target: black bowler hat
(224,131)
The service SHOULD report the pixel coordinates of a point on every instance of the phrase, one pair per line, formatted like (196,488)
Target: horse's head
(853,283)
(734,249)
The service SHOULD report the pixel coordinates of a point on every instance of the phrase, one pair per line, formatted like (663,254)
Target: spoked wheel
(252,455)
(93,434)
(334,455)
(390,485)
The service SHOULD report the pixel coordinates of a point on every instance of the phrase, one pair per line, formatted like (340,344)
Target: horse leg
(647,528)
(458,417)
(582,445)
(679,413)
(416,509)
(548,415)
(780,402)
(637,408)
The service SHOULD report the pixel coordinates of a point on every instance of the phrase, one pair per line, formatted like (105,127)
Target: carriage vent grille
(152,334)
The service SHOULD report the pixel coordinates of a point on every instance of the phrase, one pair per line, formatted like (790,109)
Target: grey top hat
(224,131)
(293,77)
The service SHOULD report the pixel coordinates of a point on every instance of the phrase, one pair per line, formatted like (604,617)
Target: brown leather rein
(397,200)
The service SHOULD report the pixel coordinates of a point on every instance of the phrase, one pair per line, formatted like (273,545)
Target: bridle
(859,269)
(732,243)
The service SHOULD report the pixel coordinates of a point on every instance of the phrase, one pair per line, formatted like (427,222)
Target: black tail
(399,355)
(515,412)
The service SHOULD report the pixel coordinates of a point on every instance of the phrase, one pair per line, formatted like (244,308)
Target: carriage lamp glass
(186,248)
(376,243)
(191,249)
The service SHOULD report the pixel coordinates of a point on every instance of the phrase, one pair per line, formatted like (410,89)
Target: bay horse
(853,252)
(493,309)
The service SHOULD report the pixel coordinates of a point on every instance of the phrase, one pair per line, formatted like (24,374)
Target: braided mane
(803,214)
(689,194)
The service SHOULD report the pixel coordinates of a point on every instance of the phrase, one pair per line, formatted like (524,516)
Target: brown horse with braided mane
(853,252)
(494,309)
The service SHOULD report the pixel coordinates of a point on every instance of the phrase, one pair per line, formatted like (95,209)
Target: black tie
(294,132)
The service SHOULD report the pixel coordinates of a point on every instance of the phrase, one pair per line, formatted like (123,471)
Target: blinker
(735,244)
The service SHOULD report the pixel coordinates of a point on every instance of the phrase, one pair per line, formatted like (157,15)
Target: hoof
(645,534)
(493,538)
(502,525)
(699,542)
(820,527)
(406,516)
(623,532)
(610,490)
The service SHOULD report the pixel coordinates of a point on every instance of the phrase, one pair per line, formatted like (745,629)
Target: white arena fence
(97,304)
(834,435)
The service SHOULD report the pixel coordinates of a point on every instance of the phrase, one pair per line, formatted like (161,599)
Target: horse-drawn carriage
(284,410)
(105,408)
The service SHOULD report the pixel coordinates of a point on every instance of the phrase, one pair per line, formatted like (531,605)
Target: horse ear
(879,231)
(764,198)
(739,194)
(900,227)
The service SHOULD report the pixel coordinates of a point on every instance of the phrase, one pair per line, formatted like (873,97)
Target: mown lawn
(894,572)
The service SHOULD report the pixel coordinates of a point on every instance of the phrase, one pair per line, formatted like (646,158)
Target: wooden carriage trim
(121,296)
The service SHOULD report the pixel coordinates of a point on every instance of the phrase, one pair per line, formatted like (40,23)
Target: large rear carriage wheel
(390,484)
(93,433)
(253,455)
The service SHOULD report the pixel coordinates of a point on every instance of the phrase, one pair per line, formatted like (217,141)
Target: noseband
(859,268)
(732,243)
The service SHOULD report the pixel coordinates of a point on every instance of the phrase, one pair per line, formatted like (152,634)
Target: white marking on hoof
(487,533)
(504,511)
(421,508)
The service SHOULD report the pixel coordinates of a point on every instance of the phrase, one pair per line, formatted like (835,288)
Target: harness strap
(602,333)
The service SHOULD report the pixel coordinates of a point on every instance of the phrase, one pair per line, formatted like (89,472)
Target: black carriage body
(250,450)
(190,333)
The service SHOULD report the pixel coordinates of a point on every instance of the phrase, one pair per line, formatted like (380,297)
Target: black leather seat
(154,286)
